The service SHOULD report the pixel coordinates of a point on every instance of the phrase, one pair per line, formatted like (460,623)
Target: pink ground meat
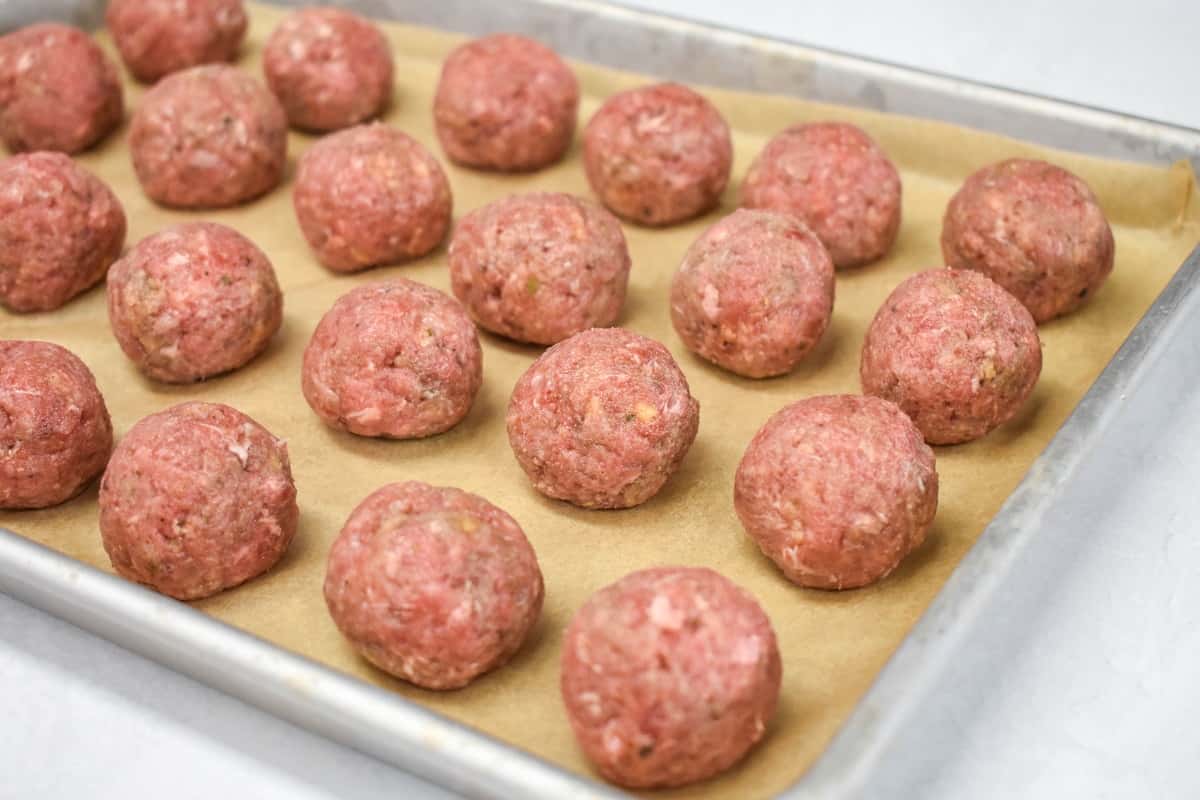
(669,676)
(754,293)
(208,137)
(58,90)
(955,351)
(505,102)
(1035,229)
(837,490)
(602,419)
(197,499)
(193,301)
(55,433)
(433,585)
(60,229)
(158,37)
(330,68)
(395,359)
(838,180)
(371,195)
(658,155)
(540,267)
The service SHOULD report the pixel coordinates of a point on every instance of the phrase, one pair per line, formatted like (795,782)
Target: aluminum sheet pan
(378,722)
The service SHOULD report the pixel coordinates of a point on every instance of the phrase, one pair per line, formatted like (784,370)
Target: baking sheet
(832,644)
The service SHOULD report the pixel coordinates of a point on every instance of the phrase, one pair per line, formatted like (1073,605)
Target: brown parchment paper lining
(833,644)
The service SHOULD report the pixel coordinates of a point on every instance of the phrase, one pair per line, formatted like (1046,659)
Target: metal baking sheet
(378,722)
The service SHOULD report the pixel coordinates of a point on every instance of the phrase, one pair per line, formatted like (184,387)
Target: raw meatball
(1035,229)
(329,67)
(505,102)
(193,301)
(602,419)
(669,676)
(838,180)
(955,351)
(55,434)
(197,499)
(837,490)
(371,195)
(157,37)
(394,359)
(540,267)
(58,90)
(60,229)
(433,585)
(754,293)
(208,137)
(658,155)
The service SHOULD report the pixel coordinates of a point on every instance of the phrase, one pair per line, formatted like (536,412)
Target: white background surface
(80,718)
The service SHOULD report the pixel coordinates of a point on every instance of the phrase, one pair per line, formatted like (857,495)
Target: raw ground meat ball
(602,419)
(197,499)
(157,37)
(1035,229)
(60,229)
(658,155)
(669,676)
(58,90)
(754,293)
(395,359)
(835,178)
(505,102)
(837,490)
(193,301)
(208,137)
(540,267)
(955,351)
(329,67)
(55,434)
(433,585)
(371,195)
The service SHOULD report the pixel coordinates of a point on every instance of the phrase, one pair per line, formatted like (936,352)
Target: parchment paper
(833,644)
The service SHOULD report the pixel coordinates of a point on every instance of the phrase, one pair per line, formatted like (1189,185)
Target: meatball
(838,180)
(754,293)
(1035,229)
(602,419)
(58,90)
(330,68)
(540,267)
(55,434)
(60,229)
(193,301)
(837,490)
(658,155)
(669,676)
(197,499)
(371,195)
(955,351)
(433,585)
(505,102)
(395,359)
(158,37)
(208,137)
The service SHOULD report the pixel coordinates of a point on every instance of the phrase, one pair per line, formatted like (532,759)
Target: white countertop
(1083,709)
